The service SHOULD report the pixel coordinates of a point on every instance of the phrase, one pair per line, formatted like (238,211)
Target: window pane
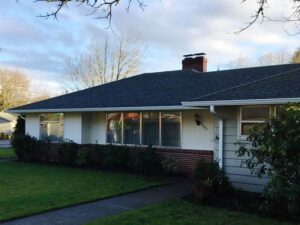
(170,122)
(51,127)
(255,113)
(114,128)
(247,127)
(51,117)
(150,128)
(132,128)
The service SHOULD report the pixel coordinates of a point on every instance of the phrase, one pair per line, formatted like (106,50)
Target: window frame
(272,110)
(106,131)
(141,130)
(52,121)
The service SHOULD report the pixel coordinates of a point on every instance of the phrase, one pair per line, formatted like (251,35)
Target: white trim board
(241,102)
(108,109)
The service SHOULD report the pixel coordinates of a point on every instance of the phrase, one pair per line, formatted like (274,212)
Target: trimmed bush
(115,157)
(95,156)
(68,153)
(26,147)
(145,161)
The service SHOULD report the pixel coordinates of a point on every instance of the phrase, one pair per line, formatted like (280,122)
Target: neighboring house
(7,123)
(190,113)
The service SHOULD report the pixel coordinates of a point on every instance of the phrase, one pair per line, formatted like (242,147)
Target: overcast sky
(168,28)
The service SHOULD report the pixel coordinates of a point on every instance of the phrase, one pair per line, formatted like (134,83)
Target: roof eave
(271,101)
(105,109)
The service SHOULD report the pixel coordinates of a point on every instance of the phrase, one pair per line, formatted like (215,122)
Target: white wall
(85,128)
(32,125)
(73,127)
(97,128)
(85,118)
(194,136)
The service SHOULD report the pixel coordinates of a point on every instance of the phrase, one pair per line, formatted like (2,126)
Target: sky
(167,28)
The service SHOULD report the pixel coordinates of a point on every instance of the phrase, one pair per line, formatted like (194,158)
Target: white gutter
(221,128)
(242,102)
(109,109)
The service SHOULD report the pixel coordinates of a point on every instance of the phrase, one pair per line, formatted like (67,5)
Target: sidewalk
(90,211)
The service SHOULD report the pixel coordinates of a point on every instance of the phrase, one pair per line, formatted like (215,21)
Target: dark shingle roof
(168,88)
(284,85)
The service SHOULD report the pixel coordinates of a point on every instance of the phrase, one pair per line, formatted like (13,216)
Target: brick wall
(187,159)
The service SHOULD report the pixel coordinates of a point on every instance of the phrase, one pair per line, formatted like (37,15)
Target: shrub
(170,163)
(210,180)
(26,147)
(67,152)
(275,152)
(115,157)
(145,161)
(95,156)
(19,129)
(82,157)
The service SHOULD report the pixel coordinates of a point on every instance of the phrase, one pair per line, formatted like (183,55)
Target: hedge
(29,149)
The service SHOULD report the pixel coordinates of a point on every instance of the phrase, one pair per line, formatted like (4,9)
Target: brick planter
(187,159)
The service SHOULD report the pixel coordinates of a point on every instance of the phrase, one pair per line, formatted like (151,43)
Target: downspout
(221,127)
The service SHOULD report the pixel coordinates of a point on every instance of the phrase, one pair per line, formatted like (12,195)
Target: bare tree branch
(294,16)
(104,6)
(117,58)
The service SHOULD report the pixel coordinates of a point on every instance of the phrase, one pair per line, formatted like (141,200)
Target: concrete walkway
(90,211)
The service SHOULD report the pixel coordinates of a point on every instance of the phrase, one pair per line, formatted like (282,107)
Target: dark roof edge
(104,109)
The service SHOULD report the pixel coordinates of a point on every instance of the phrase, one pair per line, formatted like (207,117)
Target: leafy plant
(26,147)
(145,161)
(275,151)
(115,157)
(67,152)
(210,180)
(19,129)
(81,157)
(170,163)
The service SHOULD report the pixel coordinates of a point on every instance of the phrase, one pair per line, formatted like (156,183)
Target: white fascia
(109,109)
(241,102)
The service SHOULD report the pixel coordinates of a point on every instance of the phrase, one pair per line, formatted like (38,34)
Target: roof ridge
(246,84)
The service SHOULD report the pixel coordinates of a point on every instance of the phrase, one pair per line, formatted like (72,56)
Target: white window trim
(141,130)
(240,136)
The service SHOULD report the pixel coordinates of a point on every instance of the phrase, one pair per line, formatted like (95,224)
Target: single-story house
(190,113)
(7,124)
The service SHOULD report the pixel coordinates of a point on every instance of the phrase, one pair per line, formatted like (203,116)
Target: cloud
(168,28)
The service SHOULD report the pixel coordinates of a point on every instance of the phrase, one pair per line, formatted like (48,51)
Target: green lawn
(180,212)
(7,153)
(31,188)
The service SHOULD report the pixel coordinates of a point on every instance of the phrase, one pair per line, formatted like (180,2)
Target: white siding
(32,125)
(85,128)
(234,166)
(97,128)
(195,136)
(73,127)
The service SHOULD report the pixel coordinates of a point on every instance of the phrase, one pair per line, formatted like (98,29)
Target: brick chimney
(195,61)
